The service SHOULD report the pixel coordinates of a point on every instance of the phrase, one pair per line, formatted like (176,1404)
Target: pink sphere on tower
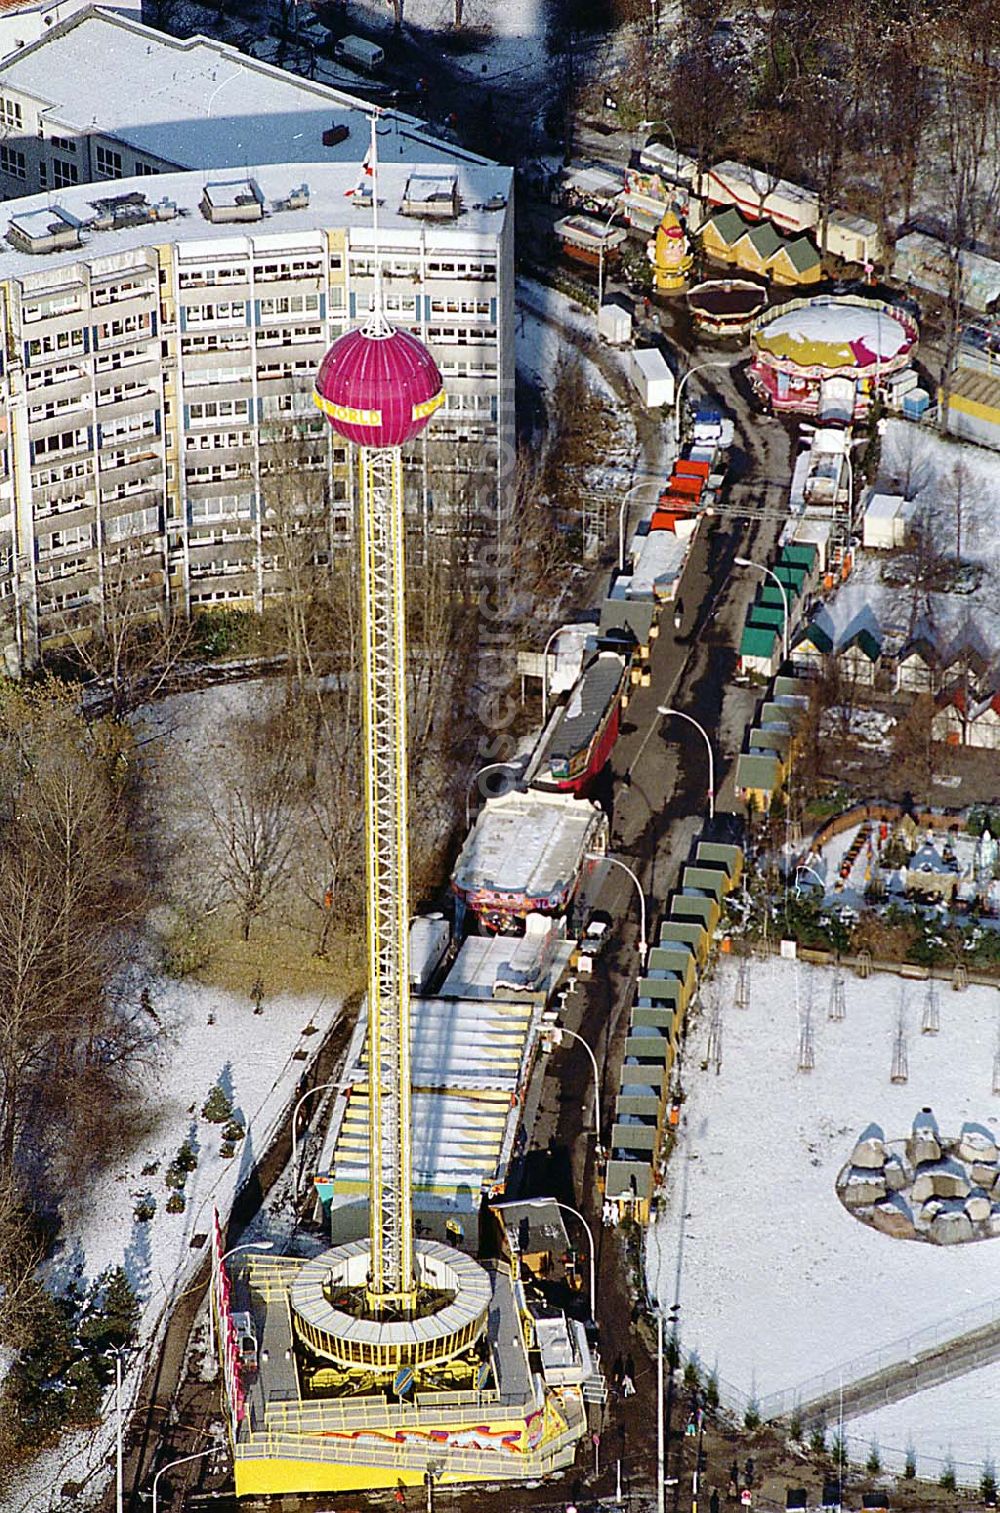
(378,390)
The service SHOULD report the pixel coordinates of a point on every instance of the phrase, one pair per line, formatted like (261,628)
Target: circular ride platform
(324,1316)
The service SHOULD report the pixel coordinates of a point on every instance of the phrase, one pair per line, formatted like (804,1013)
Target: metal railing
(503,1461)
(899,1352)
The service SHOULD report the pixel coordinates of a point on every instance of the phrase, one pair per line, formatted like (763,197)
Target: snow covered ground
(513,33)
(206,1036)
(923,465)
(958,1421)
(543,316)
(776,1282)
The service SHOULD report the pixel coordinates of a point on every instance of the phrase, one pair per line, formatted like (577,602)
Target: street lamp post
(545,673)
(644,483)
(660,1488)
(602,856)
(698,368)
(540,1202)
(559,1030)
(251,1245)
(119,1463)
(490,767)
(322,1087)
(679,713)
(182,1461)
(600,258)
(760,568)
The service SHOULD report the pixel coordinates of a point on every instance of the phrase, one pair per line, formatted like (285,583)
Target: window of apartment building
(43,175)
(266,273)
(126,325)
(123,288)
(135,523)
(210,411)
(222,507)
(64,303)
(61,441)
(460,307)
(199,378)
(107,162)
(64,174)
(63,473)
(216,472)
(128,425)
(290,304)
(461,335)
(63,144)
(219,312)
(13,162)
(10,113)
(121,357)
(288,336)
(217,441)
(144,169)
(400,304)
(38,378)
(219,341)
(64,541)
(222,273)
(119,393)
(70,599)
(56,406)
(126,457)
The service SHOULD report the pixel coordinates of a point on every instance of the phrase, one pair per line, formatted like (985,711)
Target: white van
(356,50)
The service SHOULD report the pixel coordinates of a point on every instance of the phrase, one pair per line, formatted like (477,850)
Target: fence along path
(938,1353)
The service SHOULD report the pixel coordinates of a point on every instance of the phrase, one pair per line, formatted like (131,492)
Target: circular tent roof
(853,337)
(378,387)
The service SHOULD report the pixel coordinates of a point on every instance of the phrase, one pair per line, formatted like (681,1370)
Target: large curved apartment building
(164,314)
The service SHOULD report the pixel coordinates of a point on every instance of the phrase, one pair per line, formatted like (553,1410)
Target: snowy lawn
(776,1281)
(512,35)
(922,465)
(958,1420)
(206,1036)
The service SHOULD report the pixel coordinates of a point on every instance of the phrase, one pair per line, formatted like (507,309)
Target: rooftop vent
(297,199)
(232,200)
(38,231)
(433,195)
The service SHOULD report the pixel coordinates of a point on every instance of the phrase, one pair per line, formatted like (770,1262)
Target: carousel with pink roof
(805,345)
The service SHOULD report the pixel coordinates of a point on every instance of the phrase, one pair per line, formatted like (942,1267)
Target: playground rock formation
(927,1187)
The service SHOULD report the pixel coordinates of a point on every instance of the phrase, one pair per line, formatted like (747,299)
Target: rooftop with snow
(171,210)
(196,102)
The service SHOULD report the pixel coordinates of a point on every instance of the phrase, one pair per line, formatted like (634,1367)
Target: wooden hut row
(672,971)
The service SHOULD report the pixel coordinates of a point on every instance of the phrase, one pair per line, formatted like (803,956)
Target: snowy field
(776,1282)
(931,470)
(206,1036)
(958,1421)
(543,315)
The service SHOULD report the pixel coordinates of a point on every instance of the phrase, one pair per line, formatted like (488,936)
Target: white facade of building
(162,333)
(158,358)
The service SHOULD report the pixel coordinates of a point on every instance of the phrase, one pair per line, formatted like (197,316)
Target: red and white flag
(367,170)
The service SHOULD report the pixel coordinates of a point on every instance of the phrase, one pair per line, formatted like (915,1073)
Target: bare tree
(253,818)
(133,637)
(67,900)
(968,113)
